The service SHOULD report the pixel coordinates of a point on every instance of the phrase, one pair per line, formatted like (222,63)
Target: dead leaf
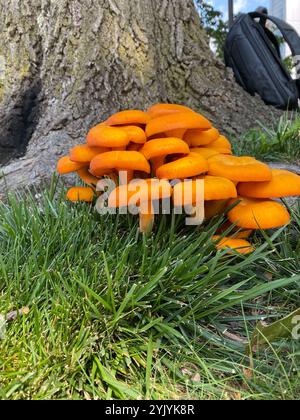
(235,337)
(265,334)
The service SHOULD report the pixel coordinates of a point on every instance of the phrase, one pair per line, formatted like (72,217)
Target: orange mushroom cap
(159,110)
(239,168)
(84,153)
(147,190)
(217,188)
(189,166)
(176,121)
(103,136)
(221,143)
(130,117)
(221,150)
(66,166)
(214,189)
(135,134)
(163,147)
(120,160)
(85,175)
(252,213)
(80,194)
(232,244)
(282,184)
(198,137)
(205,152)
(222,146)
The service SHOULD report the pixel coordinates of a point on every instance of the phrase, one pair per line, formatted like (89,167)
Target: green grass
(279,143)
(117,315)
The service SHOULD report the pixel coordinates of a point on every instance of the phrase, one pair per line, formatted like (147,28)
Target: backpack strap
(272,39)
(289,34)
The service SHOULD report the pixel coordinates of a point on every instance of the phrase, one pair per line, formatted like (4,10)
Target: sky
(239,5)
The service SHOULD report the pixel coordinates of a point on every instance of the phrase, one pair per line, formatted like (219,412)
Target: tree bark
(65,65)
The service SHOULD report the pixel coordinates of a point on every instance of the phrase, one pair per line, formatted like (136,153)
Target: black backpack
(253,52)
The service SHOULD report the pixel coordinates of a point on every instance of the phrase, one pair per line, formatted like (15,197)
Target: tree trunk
(65,65)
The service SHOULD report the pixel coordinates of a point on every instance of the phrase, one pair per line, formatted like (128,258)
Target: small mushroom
(282,184)
(117,139)
(164,147)
(160,110)
(197,137)
(135,134)
(239,169)
(85,175)
(66,166)
(76,194)
(222,145)
(143,194)
(179,133)
(84,153)
(188,194)
(157,150)
(175,121)
(186,167)
(205,152)
(253,213)
(233,245)
(126,161)
(110,137)
(215,188)
(130,117)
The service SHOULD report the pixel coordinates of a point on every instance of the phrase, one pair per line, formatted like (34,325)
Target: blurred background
(288,10)
(215,15)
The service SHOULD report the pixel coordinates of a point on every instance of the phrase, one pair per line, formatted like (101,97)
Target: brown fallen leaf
(235,337)
(248,373)
(268,275)
(191,373)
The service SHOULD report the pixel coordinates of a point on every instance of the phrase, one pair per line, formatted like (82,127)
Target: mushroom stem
(156,163)
(87,177)
(135,147)
(179,133)
(119,149)
(125,177)
(215,208)
(146,217)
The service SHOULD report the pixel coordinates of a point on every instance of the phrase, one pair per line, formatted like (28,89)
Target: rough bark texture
(67,64)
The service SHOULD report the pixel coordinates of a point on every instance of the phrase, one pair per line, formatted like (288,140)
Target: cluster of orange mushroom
(172,142)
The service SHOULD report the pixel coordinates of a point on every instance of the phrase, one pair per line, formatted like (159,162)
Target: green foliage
(212,21)
(289,63)
(280,143)
(117,315)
